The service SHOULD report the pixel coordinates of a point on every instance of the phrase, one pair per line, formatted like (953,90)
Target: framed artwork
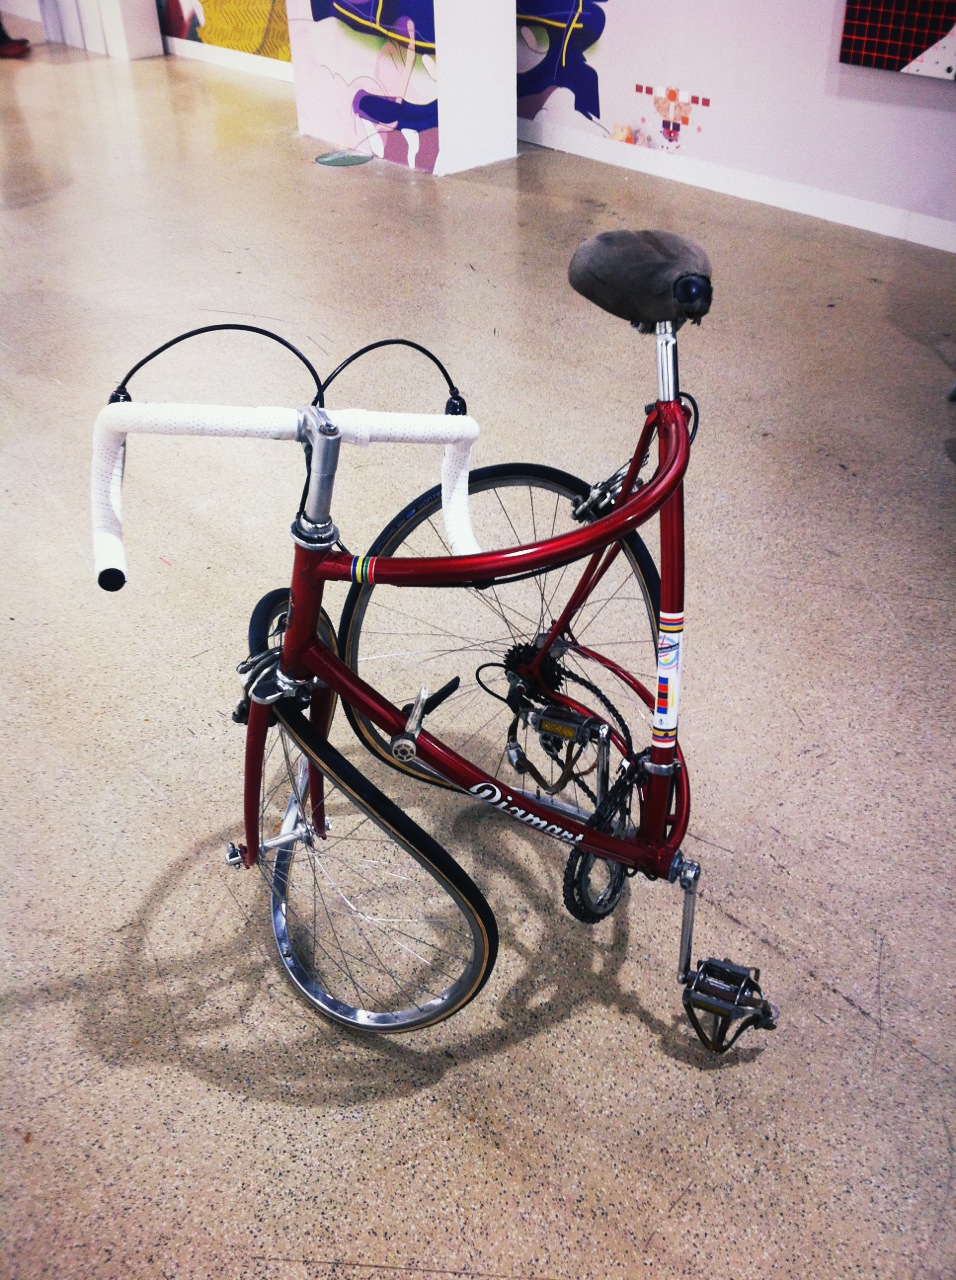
(915,36)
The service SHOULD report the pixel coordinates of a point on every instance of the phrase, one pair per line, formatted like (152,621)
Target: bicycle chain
(625,732)
(605,811)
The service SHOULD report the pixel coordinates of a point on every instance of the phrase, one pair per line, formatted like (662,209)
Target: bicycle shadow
(223,1010)
(578,967)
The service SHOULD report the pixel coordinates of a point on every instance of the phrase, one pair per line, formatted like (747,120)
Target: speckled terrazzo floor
(170,1108)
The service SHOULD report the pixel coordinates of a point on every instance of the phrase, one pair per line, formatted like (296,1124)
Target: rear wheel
(401,638)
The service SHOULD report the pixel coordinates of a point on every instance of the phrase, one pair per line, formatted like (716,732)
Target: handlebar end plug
(111,579)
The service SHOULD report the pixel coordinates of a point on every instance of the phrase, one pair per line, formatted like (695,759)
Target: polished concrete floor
(170,1108)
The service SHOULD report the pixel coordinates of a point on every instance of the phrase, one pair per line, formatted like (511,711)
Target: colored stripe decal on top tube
(363,569)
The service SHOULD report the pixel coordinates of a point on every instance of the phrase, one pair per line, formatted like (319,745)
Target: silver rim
(370,937)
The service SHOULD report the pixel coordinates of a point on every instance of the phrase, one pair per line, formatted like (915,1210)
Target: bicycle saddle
(644,276)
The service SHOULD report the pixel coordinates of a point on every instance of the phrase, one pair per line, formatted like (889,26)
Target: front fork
(260,718)
(312,531)
(258,724)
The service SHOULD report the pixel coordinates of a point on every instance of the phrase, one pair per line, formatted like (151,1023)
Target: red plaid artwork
(892,33)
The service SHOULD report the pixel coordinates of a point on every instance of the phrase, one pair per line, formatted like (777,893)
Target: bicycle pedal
(431,704)
(720,994)
(234,854)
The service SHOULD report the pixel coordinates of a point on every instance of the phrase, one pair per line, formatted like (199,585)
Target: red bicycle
(508,637)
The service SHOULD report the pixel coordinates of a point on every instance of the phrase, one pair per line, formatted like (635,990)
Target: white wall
(787,124)
(29,9)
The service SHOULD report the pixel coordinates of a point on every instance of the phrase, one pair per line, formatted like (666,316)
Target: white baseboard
(848,211)
(28,9)
(231,58)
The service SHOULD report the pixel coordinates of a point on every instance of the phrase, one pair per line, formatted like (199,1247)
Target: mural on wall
(897,35)
(553,40)
(366,76)
(559,61)
(674,107)
(254,26)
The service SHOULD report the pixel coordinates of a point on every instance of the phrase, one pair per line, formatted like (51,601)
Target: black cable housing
(318,400)
(391,342)
(122,392)
(455,405)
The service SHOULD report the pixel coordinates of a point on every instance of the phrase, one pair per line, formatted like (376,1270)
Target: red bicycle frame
(665,795)
(722,999)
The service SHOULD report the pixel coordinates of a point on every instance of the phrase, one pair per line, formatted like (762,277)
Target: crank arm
(719,996)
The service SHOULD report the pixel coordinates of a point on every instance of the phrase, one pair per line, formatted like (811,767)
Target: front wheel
(376,924)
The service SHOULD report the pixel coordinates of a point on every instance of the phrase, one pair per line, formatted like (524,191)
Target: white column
(131,28)
(126,29)
(477,83)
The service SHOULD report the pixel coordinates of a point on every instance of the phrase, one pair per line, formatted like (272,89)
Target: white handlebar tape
(357,426)
(116,421)
(457,434)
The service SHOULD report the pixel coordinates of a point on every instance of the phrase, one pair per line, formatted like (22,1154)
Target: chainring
(590,901)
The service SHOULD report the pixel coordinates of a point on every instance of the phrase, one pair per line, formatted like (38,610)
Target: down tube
(653,857)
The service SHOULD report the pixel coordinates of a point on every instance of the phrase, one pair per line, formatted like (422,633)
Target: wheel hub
(520,656)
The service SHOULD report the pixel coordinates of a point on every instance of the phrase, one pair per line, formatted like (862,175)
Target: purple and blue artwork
(554,39)
(383,18)
(377,77)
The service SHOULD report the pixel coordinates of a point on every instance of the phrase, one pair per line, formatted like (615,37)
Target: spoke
(389,606)
(550,611)
(363,919)
(295,773)
(356,917)
(430,655)
(611,599)
(495,715)
(316,894)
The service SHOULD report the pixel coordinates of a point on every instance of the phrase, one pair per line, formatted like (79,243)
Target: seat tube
(671,629)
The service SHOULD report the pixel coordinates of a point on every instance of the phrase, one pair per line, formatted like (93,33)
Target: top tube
(498,566)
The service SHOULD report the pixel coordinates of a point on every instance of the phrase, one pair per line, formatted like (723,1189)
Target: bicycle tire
(376,924)
(439,645)
(267,622)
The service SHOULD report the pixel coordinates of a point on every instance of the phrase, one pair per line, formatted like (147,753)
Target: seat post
(668,387)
